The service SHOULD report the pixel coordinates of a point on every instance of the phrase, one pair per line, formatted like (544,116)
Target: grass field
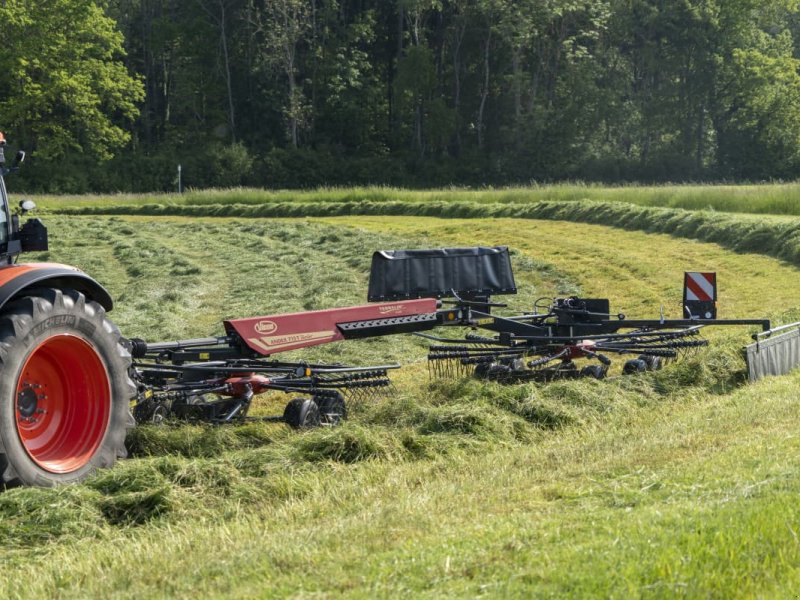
(681,482)
(757,219)
(765,199)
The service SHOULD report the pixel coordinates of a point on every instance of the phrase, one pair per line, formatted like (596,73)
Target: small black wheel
(160,414)
(654,363)
(301,413)
(498,372)
(516,364)
(594,371)
(332,410)
(635,365)
(482,370)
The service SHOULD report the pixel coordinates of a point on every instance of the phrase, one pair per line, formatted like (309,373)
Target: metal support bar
(769,332)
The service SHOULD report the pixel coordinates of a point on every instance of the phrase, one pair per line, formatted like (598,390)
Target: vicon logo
(266,327)
(391,309)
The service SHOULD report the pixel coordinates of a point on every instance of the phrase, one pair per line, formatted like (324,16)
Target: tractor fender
(14,279)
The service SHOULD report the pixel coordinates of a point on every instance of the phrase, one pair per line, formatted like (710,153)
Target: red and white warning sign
(700,287)
(700,295)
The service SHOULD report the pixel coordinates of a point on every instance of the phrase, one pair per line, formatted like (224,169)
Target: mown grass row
(186,471)
(778,238)
(774,199)
(643,493)
(666,483)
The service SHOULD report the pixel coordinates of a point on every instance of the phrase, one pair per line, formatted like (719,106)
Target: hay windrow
(191,468)
(741,233)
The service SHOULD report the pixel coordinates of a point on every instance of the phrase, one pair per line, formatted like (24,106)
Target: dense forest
(113,95)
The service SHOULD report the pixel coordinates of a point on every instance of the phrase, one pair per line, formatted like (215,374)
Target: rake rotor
(413,291)
(505,358)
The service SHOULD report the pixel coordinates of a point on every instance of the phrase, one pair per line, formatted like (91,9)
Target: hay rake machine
(215,379)
(413,291)
(545,358)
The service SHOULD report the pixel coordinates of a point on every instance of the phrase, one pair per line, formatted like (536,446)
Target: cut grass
(680,482)
(770,235)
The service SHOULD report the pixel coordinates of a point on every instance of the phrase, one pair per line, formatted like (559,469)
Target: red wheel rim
(63,403)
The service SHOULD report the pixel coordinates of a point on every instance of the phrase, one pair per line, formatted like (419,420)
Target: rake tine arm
(546,359)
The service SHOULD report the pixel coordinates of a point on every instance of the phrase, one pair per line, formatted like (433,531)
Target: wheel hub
(27,401)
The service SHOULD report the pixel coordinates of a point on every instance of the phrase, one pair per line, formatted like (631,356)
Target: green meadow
(766,199)
(761,219)
(682,482)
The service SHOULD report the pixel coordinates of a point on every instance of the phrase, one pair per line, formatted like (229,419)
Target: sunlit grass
(775,234)
(775,199)
(680,482)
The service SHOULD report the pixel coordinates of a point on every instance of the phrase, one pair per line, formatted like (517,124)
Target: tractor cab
(14,239)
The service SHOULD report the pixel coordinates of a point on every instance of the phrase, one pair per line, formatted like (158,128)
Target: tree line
(113,95)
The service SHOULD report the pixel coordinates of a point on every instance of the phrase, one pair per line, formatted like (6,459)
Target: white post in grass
(180,183)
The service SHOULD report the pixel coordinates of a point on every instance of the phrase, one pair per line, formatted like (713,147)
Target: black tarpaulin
(404,274)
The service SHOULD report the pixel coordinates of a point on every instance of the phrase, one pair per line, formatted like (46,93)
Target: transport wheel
(497,372)
(332,410)
(64,389)
(595,371)
(492,371)
(635,365)
(301,413)
(482,370)
(653,363)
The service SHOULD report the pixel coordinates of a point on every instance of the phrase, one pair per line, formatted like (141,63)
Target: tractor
(65,384)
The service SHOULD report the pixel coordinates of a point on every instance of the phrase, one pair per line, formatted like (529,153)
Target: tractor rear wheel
(65,389)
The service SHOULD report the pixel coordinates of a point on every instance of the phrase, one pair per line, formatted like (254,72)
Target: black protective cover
(470,272)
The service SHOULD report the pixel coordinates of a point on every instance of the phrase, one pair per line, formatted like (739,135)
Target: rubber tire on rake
(593,371)
(654,363)
(482,370)
(492,371)
(634,365)
(302,413)
(64,389)
(645,362)
(332,410)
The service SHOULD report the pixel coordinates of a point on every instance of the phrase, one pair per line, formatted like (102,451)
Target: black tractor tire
(65,389)
(301,413)
(332,410)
